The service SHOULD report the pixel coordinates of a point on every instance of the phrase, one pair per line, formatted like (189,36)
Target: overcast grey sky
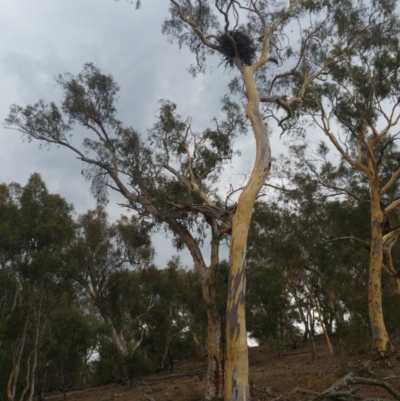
(40,39)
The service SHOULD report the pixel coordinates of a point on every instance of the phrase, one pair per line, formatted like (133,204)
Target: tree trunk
(237,366)
(11,310)
(32,379)
(215,356)
(215,324)
(378,328)
(394,279)
(117,337)
(164,356)
(17,355)
(320,318)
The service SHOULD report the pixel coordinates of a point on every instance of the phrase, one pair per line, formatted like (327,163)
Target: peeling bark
(215,324)
(236,378)
(215,357)
(375,310)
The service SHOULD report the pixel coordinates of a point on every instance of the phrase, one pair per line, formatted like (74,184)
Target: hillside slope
(292,374)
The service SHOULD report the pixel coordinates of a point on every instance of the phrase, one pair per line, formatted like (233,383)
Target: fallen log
(342,391)
(304,391)
(187,373)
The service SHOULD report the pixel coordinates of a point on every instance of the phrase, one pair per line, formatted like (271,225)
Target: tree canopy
(296,66)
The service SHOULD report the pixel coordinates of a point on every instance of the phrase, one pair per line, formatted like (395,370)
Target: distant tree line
(82,302)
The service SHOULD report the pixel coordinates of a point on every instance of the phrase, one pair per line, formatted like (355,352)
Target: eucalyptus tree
(173,179)
(252,37)
(357,108)
(350,231)
(100,260)
(36,228)
(65,361)
(10,253)
(168,180)
(176,324)
(291,234)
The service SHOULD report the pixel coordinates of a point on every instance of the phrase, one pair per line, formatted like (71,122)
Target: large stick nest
(245,46)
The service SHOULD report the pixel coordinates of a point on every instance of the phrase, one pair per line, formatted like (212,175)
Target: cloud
(45,38)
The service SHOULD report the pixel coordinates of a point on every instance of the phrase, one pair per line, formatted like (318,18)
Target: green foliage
(82,102)
(101,260)
(74,338)
(355,336)
(111,367)
(135,365)
(268,311)
(36,227)
(63,278)
(178,316)
(292,248)
(105,366)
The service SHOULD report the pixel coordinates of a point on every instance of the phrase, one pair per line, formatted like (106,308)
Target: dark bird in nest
(245,47)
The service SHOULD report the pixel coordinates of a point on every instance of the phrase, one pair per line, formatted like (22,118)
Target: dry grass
(273,376)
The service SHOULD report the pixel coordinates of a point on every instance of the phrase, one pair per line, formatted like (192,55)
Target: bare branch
(389,184)
(364,243)
(325,127)
(394,205)
(269,33)
(195,27)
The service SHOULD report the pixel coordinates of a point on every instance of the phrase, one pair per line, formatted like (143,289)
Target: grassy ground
(275,376)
